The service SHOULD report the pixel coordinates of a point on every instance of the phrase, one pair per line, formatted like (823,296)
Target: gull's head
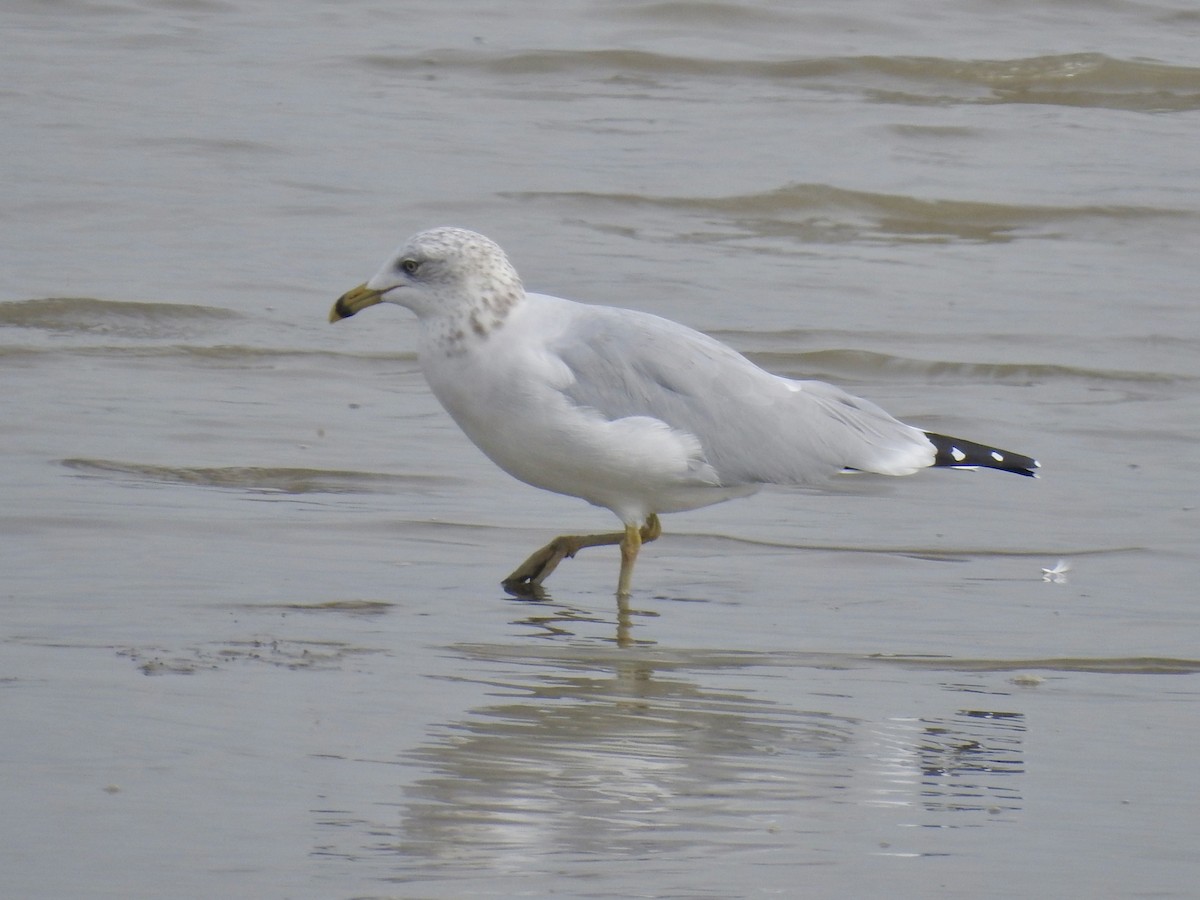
(443,273)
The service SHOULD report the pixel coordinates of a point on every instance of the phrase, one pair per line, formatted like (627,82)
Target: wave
(257,479)
(118,318)
(872,366)
(822,213)
(1073,79)
(584,656)
(142,330)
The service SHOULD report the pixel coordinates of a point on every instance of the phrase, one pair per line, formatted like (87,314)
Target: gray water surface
(253,639)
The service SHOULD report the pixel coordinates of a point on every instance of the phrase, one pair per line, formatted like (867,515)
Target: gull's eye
(409,266)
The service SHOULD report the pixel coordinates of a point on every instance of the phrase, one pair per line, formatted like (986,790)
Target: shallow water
(254,643)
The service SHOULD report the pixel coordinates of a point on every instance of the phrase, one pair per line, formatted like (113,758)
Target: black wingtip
(956,453)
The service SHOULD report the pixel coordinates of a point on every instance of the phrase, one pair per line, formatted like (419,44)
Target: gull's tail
(959,454)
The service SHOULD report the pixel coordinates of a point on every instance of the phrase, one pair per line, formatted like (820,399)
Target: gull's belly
(634,466)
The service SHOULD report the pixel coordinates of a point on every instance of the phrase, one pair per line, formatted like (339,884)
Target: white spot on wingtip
(997,456)
(958,455)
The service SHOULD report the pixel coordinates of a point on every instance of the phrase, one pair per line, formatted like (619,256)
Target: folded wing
(752,426)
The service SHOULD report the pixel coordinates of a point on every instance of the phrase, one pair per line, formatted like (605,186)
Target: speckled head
(453,279)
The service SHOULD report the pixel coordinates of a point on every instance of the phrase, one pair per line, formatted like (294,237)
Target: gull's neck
(459,325)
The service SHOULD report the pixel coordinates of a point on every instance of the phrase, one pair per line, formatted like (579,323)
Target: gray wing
(754,427)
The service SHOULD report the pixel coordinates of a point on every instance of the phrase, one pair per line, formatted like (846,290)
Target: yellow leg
(542,562)
(630,545)
(652,530)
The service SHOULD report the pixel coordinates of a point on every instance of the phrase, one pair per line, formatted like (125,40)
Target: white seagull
(627,410)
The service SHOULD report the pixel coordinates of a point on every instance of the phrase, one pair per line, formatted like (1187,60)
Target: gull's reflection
(592,752)
(553,619)
(946,769)
(965,761)
(613,752)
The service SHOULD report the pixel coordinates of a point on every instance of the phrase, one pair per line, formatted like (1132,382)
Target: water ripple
(1073,79)
(119,318)
(823,213)
(254,478)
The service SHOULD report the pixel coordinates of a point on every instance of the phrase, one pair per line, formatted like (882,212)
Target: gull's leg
(542,562)
(652,530)
(630,545)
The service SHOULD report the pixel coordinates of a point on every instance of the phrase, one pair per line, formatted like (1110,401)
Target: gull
(624,409)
